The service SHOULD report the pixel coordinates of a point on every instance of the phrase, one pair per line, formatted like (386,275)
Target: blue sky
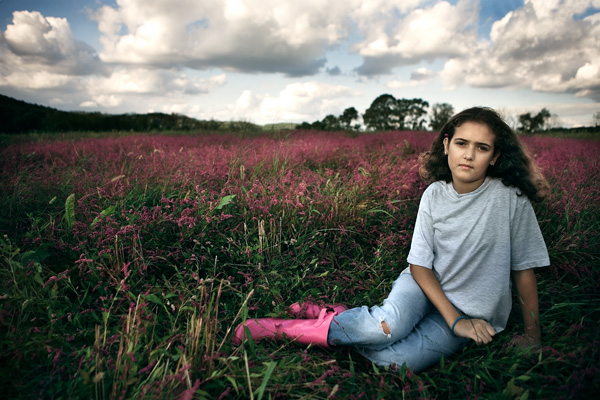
(271,61)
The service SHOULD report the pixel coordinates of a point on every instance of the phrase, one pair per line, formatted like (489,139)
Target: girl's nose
(469,154)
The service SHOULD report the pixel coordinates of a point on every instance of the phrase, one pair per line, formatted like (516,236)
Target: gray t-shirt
(473,240)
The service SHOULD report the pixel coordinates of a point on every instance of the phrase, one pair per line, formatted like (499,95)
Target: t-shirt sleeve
(528,249)
(421,248)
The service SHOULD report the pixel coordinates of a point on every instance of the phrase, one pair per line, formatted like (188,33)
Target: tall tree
(529,123)
(349,115)
(440,114)
(382,115)
(388,113)
(413,113)
(331,123)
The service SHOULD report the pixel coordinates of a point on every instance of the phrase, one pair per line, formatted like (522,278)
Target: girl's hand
(477,329)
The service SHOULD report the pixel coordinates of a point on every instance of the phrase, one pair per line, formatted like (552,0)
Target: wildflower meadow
(126,261)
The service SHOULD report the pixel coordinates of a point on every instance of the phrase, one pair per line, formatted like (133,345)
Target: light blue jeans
(419,335)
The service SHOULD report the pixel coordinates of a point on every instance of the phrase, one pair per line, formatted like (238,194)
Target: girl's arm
(526,285)
(477,329)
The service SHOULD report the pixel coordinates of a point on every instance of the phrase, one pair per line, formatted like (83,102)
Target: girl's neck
(464,188)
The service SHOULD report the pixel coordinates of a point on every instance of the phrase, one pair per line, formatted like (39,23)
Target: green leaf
(233,383)
(225,201)
(270,367)
(70,210)
(154,299)
(512,390)
(104,213)
(38,279)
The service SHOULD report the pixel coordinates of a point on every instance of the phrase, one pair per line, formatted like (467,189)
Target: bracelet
(454,324)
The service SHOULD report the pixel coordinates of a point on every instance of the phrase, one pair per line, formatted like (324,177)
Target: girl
(475,228)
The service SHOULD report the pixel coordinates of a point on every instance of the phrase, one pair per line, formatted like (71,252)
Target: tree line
(385,113)
(21,117)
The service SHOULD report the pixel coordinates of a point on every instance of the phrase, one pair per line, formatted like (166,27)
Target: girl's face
(470,152)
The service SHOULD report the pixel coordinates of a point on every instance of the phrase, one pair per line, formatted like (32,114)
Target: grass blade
(261,390)
(70,210)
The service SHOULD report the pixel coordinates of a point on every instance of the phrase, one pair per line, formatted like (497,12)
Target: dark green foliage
(387,113)
(529,123)
(21,117)
(332,123)
(440,114)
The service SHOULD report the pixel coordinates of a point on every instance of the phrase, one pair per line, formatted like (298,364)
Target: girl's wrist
(455,321)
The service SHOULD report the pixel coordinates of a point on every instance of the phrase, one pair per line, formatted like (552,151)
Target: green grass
(123,281)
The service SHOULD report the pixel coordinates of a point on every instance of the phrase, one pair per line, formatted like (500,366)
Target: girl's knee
(386,328)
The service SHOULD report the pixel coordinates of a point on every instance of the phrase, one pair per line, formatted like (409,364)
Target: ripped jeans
(415,333)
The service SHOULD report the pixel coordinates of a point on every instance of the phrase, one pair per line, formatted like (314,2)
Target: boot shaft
(304,331)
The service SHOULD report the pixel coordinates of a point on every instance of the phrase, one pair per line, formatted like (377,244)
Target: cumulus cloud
(151,51)
(438,31)
(301,101)
(33,40)
(40,60)
(237,35)
(138,80)
(542,46)
(418,77)
(283,37)
(139,83)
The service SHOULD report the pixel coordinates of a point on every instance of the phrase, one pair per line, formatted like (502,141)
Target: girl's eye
(460,143)
(483,148)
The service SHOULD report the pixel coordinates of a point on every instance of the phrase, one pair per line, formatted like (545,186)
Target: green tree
(529,123)
(440,114)
(349,115)
(413,113)
(331,123)
(388,113)
(382,115)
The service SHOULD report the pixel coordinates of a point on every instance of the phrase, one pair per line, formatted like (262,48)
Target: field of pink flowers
(127,261)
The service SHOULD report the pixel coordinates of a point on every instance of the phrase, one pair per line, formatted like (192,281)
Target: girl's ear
(495,159)
(446,146)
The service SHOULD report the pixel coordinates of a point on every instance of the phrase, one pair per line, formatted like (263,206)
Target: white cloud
(286,37)
(137,80)
(241,35)
(439,31)
(109,100)
(152,51)
(88,104)
(35,41)
(35,80)
(40,55)
(165,90)
(297,102)
(420,76)
(541,46)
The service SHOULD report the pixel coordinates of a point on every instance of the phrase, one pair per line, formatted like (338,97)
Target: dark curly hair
(514,167)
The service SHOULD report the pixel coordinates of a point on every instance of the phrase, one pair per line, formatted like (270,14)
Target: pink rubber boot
(304,331)
(311,310)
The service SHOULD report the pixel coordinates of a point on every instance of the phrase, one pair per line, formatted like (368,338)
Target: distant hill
(18,116)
